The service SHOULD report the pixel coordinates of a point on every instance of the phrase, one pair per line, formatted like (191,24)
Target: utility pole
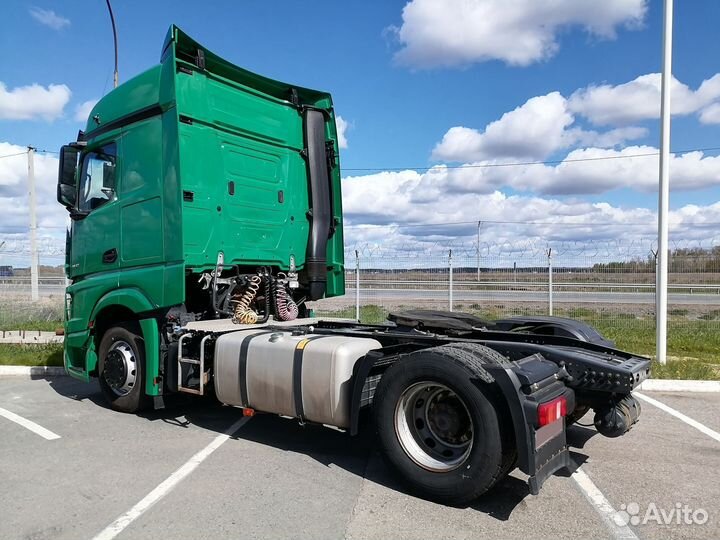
(478,250)
(550,282)
(357,286)
(664,190)
(450,281)
(33,226)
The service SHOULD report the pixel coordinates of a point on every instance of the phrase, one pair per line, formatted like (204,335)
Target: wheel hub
(120,368)
(447,419)
(433,426)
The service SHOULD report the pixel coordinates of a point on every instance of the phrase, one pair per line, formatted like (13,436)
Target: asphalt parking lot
(171,474)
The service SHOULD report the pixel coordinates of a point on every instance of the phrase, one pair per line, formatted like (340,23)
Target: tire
(122,349)
(486,355)
(437,428)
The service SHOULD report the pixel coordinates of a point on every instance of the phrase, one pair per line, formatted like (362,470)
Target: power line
(482,165)
(502,222)
(13,155)
(526,163)
(25,152)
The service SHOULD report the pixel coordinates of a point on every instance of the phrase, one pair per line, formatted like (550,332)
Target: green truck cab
(192,160)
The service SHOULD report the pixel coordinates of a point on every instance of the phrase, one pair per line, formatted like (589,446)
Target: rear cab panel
(243,171)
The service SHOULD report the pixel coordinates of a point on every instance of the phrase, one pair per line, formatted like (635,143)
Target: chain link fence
(18,310)
(608,284)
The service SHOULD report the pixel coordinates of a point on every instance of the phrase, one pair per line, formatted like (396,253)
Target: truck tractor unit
(206,212)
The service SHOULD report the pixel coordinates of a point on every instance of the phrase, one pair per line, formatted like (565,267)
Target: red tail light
(552,410)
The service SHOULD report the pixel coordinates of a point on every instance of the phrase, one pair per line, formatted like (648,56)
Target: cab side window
(97,178)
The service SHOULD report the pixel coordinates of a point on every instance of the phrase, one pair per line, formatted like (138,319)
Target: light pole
(478,251)
(115,42)
(33,226)
(664,190)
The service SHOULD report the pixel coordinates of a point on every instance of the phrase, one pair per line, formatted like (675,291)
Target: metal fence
(611,285)
(19,310)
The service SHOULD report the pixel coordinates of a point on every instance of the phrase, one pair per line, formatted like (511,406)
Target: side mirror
(67,174)
(66,195)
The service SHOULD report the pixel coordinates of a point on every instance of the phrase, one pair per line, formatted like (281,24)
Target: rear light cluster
(551,411)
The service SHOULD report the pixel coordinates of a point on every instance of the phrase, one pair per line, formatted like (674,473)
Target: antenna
(112,21)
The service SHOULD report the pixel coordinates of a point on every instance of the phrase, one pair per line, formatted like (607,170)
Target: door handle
(110,256)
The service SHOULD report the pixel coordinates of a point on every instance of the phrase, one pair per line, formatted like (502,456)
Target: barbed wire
(532,249)
(492,244)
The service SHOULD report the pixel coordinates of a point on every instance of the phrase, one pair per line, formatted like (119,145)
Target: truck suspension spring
(243,313)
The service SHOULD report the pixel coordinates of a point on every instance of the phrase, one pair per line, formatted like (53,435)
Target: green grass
(45,326)
(28,316)
(685,368)
(370,314)
(31,355)
(696,339)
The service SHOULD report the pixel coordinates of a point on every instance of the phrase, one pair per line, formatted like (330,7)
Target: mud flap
(541,451)
(550,453)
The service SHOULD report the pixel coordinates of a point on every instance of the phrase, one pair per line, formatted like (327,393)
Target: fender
(375,363)
(131,298)
(138,303)
(553,326)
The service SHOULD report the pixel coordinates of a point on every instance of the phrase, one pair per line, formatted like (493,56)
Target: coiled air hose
(243,313)
(285,307)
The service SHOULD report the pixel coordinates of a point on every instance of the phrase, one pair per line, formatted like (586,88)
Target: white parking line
(167,485)
(602,506)
(29,424)
(677,414)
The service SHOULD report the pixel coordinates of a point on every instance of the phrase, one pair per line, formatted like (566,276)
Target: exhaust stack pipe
(320,214)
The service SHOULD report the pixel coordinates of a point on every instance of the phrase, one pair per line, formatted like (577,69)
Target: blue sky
(404,75)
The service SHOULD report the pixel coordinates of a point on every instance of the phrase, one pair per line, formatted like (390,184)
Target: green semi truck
(206,211)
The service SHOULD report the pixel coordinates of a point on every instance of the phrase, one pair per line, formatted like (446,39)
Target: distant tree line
(682,260)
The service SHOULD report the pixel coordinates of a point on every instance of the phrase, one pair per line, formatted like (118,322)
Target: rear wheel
(121,359)
(437,427)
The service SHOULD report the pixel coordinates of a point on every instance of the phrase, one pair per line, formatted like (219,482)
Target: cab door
(95,232)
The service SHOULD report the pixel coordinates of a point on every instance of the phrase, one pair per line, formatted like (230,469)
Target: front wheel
(437,428)
(121,362)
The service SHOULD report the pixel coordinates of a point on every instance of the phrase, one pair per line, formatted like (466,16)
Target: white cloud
(606,139)
(519,32)
(49,18)
(34,101)
(639,99)
(14,206)
(387,205)
(533,131)
(583,171)
(82,110)
(710,114)
(586,171)
(342,127)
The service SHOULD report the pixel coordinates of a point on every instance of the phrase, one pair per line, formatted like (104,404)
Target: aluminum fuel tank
(262,369)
